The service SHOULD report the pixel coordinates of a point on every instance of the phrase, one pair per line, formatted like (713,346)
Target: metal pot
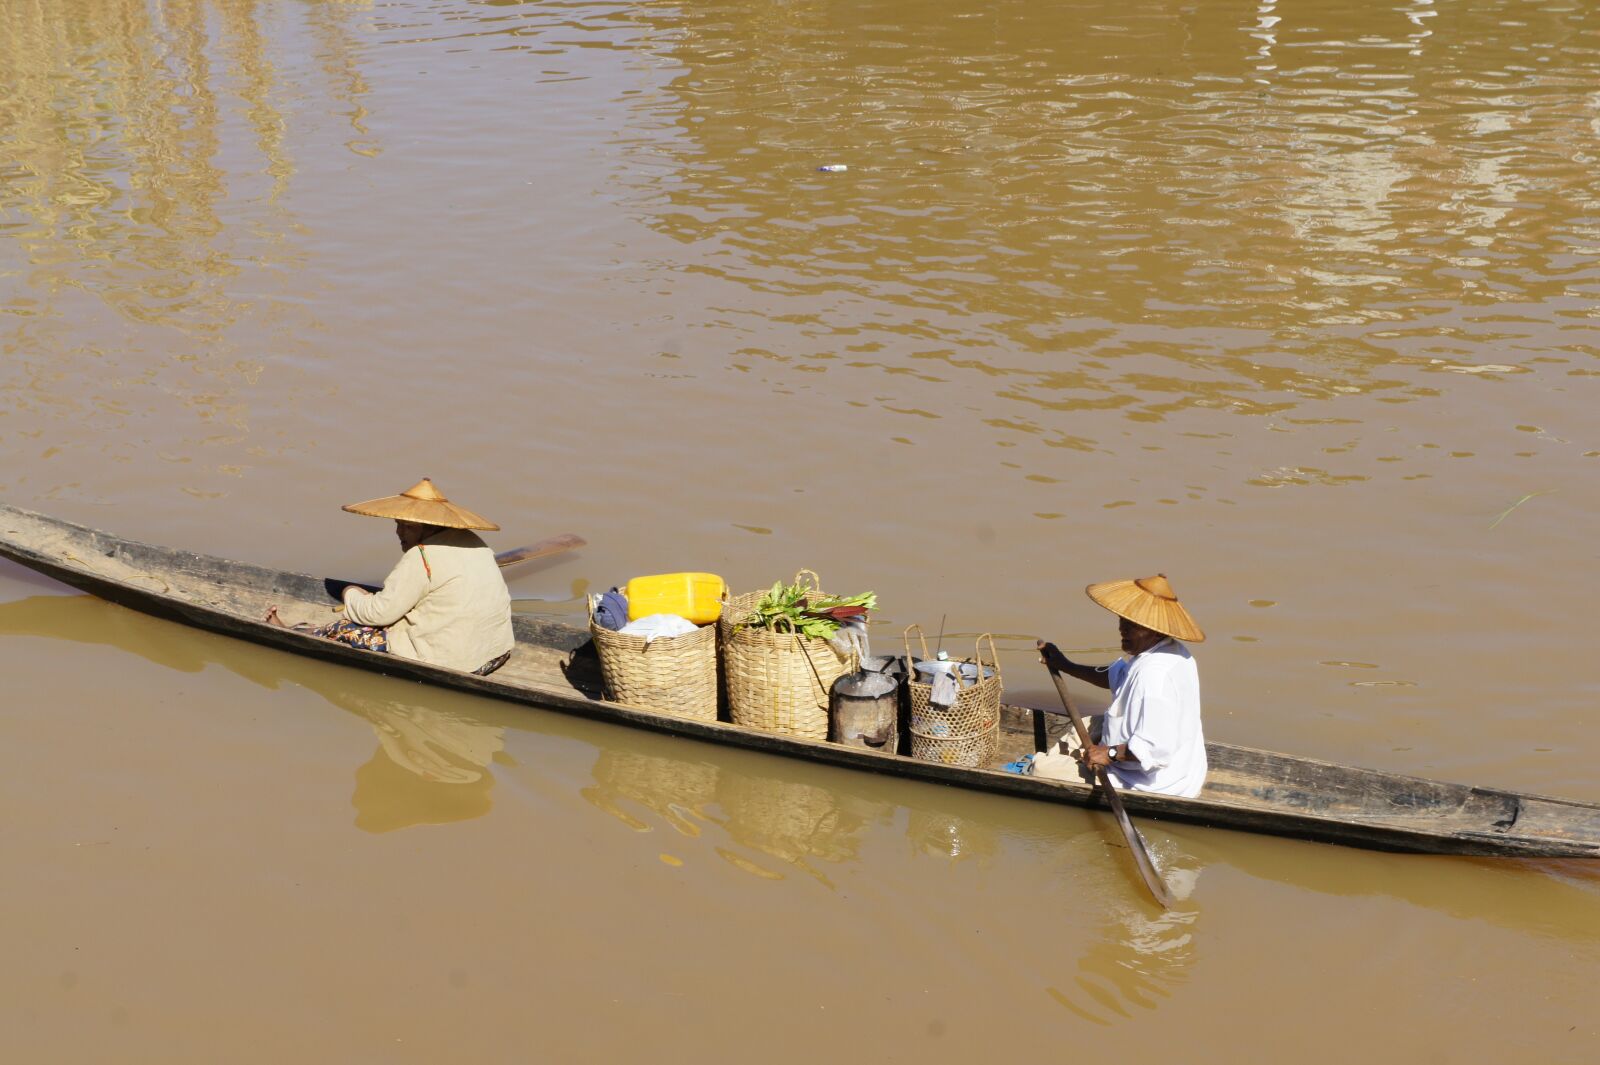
(864,710)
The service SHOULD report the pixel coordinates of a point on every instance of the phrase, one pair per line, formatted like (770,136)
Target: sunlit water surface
(1294,302)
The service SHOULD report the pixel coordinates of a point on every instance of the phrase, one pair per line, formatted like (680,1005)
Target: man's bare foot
(272,617)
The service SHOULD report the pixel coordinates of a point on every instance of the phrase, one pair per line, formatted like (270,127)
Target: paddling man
(444,602)
(1150,737)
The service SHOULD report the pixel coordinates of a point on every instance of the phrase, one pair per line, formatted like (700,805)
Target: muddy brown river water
(1293,301)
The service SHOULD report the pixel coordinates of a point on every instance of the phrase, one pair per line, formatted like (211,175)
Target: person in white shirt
(444,602)
(1150,737)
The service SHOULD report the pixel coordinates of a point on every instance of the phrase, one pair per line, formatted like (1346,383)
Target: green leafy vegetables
(797,608)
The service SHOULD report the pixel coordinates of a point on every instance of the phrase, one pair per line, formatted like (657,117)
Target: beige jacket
(444,603)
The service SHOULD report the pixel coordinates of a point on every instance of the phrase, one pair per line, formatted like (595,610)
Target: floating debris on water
(1506,512)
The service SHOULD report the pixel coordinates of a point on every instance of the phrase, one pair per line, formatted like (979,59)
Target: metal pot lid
(865,685)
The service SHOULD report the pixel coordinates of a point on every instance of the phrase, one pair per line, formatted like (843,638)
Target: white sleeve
(402,590)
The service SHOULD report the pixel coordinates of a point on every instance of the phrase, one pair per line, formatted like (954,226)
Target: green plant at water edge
(797,608)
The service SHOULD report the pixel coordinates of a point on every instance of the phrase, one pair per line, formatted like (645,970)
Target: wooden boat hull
(1250,790)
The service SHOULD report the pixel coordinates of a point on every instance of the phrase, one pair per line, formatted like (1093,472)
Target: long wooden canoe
(553,668)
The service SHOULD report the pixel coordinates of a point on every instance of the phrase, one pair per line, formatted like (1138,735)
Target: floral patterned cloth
(373,638)
(366,637)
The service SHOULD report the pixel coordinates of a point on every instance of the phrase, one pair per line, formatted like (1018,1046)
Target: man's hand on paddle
(1051,656)
(1095,756)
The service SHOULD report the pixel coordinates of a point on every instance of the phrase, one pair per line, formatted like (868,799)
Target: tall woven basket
(670,674)
(777,681)
(967,733)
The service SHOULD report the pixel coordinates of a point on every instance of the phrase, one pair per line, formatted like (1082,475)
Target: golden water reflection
(1102,950)
(1164,210)
(118,121)
(150,153)
(1139,953)
(430,766)
(786,823)
(1124,953)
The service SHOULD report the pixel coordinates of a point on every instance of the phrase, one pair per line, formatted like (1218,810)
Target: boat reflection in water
(430,767)
(1095,945)
(771,822)
(761,816)
(1138,953)
(1000,884)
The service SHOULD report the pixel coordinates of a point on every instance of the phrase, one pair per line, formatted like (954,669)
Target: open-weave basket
(669,674)
(967,733)
(777,681)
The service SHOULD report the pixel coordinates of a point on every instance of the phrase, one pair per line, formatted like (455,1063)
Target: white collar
(1154,647)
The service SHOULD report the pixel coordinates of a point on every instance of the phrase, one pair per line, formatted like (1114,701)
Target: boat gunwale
(1366,831)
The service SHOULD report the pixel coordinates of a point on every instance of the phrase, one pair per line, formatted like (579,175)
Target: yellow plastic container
(696,596)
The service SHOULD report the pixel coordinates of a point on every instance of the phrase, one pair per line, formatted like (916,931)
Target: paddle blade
(555,545)
(1141,857)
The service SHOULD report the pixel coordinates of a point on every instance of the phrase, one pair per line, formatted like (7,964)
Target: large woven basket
(669,674)
(967,733)
(777,681)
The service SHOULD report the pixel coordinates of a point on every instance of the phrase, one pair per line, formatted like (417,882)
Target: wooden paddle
(1141,857)
(543,549)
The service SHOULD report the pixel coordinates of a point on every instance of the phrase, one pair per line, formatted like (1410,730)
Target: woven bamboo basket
(967,733)
(670,674)
(777,681)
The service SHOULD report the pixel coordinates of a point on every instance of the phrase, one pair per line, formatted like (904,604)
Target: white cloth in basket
(656,626)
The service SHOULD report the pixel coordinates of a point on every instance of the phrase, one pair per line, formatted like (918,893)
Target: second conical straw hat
(1148,601)
(423,503)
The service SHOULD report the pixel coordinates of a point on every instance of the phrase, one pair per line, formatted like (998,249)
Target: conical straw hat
(1148,601)
(423,503)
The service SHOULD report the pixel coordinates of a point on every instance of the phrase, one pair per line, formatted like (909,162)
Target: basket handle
(921,636)
(852,663)
(723,615)
(589,600)
(994,656)
(816,581)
